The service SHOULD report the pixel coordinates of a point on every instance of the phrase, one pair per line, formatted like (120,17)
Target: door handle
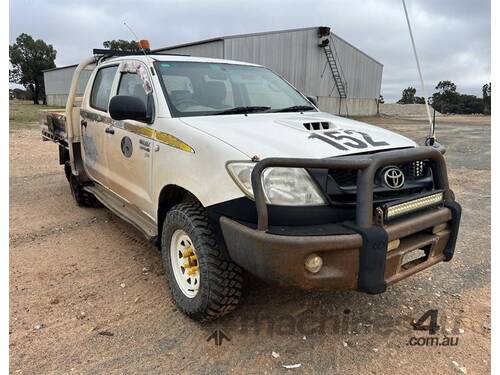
(83,123)
(110,130)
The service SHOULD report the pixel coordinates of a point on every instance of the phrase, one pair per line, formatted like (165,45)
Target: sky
(452,36)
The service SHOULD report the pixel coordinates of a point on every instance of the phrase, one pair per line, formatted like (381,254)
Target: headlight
(282,186)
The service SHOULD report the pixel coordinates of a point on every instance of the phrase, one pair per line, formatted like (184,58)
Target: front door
(130,147)
(94,122)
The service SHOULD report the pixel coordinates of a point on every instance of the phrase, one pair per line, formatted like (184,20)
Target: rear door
(130,146)
(95,122)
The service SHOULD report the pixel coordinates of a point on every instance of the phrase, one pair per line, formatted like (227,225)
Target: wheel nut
(313,263)
(187,252)
(192,271)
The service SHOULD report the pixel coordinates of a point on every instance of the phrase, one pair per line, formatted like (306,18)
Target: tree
(446,99)
(121,45)
(469,104)
(487,98)
(408,96)
(445,87)
(29,58)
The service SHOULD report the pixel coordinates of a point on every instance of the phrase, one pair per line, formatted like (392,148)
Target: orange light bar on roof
(144,43)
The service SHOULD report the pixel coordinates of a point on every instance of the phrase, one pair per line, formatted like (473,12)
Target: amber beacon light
(144,44)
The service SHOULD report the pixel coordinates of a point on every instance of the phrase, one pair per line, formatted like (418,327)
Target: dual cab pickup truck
(227,167)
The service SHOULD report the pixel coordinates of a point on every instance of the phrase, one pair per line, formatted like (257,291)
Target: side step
(125,211)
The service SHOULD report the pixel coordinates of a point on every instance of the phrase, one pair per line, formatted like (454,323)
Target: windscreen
(198,89)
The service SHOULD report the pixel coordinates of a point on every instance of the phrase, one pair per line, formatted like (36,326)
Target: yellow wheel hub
(184,263)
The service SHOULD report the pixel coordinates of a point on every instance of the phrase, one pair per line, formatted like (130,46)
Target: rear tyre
(83,198)
(204,282)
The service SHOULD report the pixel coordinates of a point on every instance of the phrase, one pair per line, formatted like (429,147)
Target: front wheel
(204,282)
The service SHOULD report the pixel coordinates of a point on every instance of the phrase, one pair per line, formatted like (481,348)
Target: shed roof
(60,67)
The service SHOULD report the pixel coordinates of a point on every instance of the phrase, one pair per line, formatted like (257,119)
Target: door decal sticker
(127,148)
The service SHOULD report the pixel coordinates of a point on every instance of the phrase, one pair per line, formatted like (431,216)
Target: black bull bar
(366,165)
(373,253)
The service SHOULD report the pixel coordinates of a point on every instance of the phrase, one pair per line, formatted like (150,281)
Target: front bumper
(280,259)
(361,258)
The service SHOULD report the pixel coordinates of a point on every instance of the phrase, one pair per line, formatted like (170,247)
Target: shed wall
(363,74)
(58,83)
(296,56)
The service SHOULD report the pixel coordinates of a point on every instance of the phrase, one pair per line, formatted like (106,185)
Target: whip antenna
(431,138)
(136,38)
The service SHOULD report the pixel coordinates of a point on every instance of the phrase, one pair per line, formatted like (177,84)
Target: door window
(101,88)
(132,85)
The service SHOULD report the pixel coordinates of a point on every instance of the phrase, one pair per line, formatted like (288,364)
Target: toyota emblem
(394,177)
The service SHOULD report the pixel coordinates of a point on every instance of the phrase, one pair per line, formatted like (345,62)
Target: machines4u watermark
(429,322)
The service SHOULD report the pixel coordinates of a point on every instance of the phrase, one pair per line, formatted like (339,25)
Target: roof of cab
(165,57)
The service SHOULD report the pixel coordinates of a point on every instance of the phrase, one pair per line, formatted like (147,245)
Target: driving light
(282,186)
(313,263)
(392,211)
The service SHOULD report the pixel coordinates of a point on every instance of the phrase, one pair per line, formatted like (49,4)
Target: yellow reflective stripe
(147,132)
(170,140)
(165,138)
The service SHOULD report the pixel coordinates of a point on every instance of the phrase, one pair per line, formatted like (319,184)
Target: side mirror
(312,99)
(124,107)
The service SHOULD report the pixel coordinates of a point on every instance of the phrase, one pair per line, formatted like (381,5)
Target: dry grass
(24,114)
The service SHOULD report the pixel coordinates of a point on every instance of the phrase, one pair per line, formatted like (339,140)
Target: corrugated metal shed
(58,83)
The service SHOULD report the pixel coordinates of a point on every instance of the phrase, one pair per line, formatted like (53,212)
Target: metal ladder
(334,64)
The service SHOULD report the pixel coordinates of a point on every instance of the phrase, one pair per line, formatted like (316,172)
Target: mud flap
(372,259)
(456,213)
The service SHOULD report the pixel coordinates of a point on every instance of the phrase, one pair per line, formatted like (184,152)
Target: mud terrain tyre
(83,198)
(210,284)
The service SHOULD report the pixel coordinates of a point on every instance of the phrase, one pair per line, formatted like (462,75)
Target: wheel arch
(169,196)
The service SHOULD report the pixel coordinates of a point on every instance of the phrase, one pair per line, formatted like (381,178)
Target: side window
(101,88)
(132,85)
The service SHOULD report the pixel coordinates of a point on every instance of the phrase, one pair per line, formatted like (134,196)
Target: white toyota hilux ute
(228,169)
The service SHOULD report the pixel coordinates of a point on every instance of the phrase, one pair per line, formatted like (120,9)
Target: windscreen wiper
(295,108)
(247,109)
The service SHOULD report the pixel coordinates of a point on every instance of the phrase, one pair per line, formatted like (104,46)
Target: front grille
(344,177)
(341,186)
(413,170)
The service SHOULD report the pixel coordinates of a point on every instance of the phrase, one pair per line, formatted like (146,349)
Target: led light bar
(398,209)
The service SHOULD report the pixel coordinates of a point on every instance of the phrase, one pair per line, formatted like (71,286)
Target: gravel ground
(87,293)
